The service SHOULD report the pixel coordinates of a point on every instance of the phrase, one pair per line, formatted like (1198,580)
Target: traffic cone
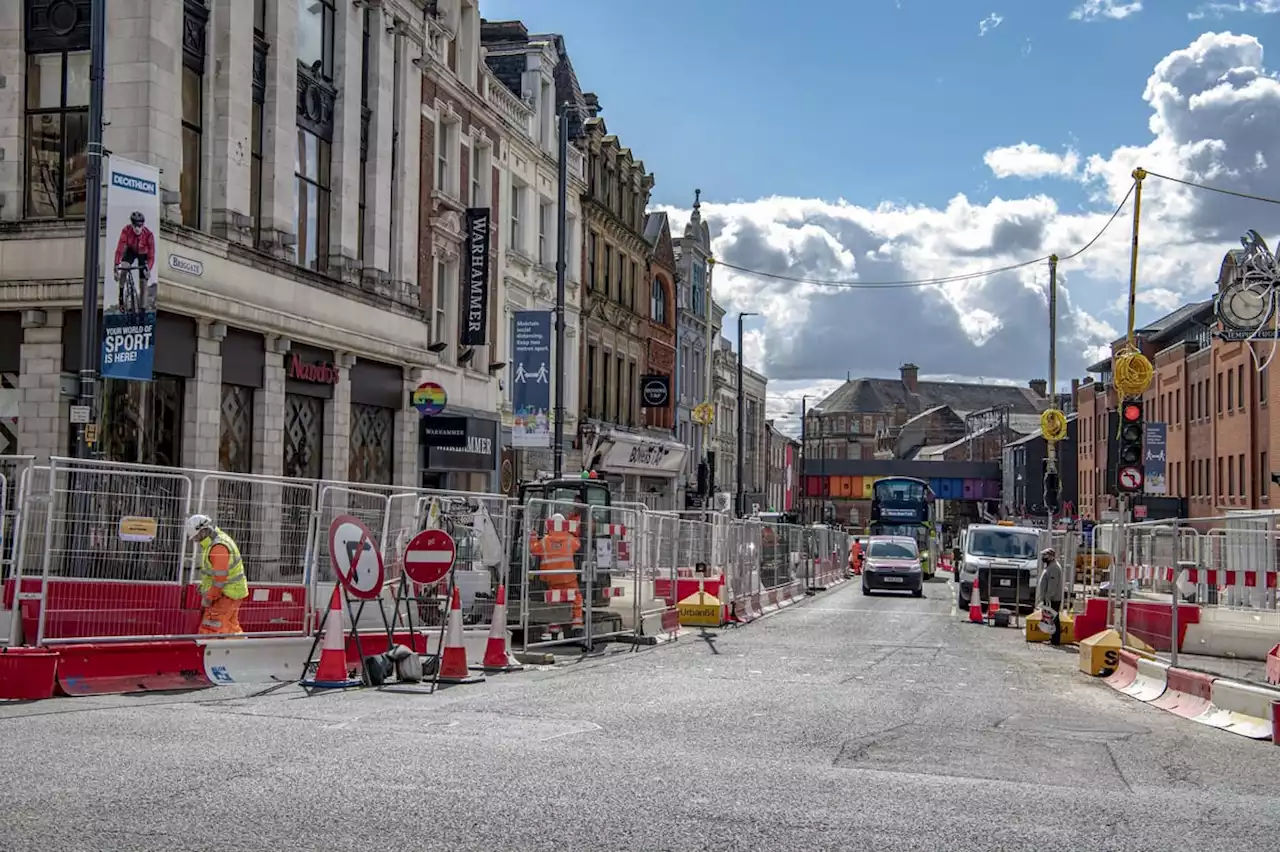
(332,671)
(975,604)
(992,608)
(453,656)
(496,658)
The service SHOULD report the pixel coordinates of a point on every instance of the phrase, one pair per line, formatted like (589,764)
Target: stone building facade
(289,137)
(698,329)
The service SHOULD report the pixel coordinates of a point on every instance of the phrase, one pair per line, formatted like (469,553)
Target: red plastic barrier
(376,643)
(27,674)
(1188,694)
(1152,622)
(1125,673)
(1275,723)
(1273,665)
(1093,620)
(114,667)
(685,587)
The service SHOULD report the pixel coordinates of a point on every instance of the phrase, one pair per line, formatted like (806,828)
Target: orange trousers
(222,616)
(561,582)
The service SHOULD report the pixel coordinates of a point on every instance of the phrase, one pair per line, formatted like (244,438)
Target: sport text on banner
(130,278)
(475,310)
(531,383)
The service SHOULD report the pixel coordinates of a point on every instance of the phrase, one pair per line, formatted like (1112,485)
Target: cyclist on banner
(136,244)
(223,586)
(556,550)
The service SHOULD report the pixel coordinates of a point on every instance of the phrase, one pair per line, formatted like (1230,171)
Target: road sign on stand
(356,560)
(429,556)
(1131,478)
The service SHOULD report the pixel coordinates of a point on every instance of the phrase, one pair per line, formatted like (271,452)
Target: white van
(1001,548)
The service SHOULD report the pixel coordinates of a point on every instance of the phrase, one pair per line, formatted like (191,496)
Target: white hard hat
(197,525)
(558,518)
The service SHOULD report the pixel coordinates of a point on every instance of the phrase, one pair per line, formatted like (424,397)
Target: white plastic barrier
(1151,682)
(267,660)
(1240,708)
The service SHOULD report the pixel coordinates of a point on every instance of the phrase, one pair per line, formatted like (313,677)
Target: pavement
(841,723)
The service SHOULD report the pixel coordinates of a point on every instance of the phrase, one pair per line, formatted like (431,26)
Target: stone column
(279,510)
(42,412)
(280,130)
(345,215)
(268,411)
(406,435)
(230,121)
(13,70)
(337,421)
(404,266)
(202,408)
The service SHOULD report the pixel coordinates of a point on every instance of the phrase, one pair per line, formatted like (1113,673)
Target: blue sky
(869,100)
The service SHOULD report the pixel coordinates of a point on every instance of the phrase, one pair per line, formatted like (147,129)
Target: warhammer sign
(476,308)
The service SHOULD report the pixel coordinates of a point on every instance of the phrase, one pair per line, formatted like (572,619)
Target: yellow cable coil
(1132,372)
(1053,425)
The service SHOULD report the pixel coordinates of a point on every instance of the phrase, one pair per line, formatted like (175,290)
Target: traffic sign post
(1130,479)
(429,556)
(356,560)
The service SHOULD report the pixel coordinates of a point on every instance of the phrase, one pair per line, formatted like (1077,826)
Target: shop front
(459,453)
(641,468)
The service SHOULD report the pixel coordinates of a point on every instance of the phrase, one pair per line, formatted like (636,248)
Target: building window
(1262,385)
(480,174)
(440,304)
(1229,391)
(372,427)
(591,260)
(1240,398)
(544,232)
(192,134)
(315,36)
(259,96)
(1240,486)
(448,140)
(57,133)
(311,186)
(658,302)
(303,436)
(591,381)
(608,270)
(516,235)
(235,430)
(145,421)
(366,85)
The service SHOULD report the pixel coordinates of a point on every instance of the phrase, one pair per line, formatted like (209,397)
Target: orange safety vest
(556,549)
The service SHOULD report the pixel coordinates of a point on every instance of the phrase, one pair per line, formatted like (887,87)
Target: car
(892,563)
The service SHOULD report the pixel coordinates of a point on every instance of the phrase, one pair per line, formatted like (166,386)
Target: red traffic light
(1132,412)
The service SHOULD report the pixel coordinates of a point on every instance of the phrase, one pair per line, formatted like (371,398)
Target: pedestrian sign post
(429,556)
(357,562)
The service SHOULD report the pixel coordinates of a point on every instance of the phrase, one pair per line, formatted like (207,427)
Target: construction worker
(855,558)
(1049,590)
(223,586)
(556,549)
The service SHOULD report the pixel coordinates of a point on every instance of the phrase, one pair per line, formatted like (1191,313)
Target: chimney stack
(910,376)
(1075,394)
(1038,387)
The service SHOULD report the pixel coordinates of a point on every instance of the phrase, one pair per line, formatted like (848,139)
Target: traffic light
(1129,466)
(1052,491)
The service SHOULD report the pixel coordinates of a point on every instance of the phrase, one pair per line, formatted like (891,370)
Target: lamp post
(741,500)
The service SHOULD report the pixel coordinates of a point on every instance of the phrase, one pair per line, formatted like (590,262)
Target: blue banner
(1154,475)
(130,275)
(531,380)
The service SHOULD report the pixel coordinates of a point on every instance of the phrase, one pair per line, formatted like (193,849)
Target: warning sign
(701,609)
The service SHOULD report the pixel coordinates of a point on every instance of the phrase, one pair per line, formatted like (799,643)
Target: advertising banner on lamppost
(1154,463)
(130,273)
(531,382)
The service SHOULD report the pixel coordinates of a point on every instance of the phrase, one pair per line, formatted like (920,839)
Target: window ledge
(448,200)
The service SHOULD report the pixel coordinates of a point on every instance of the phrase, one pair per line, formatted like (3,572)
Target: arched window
(658,302)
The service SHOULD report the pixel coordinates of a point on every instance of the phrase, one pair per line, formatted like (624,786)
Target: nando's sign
(317,372)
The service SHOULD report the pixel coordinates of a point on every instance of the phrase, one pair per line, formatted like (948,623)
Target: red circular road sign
(1131,478)
(429,556)
(356,559)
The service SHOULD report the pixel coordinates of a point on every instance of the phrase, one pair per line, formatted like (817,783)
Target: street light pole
(804,458)
(742,491)
(90,340)
(562,258)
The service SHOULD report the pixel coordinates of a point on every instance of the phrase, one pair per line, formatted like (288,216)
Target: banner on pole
(475,310)
(130,278)
(1154,462)
(531,383)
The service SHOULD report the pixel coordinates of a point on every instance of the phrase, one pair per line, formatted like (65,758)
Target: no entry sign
(429,556)
(356,560)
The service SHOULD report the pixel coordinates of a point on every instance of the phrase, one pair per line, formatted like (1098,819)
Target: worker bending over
(223,586)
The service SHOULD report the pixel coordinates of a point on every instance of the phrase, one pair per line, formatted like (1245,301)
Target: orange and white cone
(332,671)
(975,604)
(496,658)
(992,608)
(453,656)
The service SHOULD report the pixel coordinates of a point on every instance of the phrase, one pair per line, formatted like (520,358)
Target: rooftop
(873,396)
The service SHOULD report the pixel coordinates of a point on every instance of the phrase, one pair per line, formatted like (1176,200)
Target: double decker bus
(904,506)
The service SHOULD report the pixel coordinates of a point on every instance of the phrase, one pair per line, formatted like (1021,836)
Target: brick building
(660,322)
(1214,402)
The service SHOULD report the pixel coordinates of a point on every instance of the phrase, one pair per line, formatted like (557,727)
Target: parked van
(1005,562)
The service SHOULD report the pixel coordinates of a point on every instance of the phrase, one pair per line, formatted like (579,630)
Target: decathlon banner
(130,278)
(531,382)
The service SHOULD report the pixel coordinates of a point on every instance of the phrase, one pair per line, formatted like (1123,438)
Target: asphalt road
(845,722)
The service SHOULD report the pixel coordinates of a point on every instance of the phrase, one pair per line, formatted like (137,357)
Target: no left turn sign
(1130,478)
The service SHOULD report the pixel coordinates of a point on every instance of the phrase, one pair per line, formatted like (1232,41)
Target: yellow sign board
(138,529)
(700,609)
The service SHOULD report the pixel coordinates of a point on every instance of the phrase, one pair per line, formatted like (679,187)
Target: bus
(904,506)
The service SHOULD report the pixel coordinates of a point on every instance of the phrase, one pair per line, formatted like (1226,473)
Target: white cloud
(1031,161)
(989,23)
(1221,10)
(1093,10)
(1214,117)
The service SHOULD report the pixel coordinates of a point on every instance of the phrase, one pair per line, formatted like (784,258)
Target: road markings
(594,727)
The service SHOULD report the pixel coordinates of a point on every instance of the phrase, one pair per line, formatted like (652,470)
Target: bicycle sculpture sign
(129,288)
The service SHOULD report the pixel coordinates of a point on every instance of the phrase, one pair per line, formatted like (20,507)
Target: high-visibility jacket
(233,584)
(556,549)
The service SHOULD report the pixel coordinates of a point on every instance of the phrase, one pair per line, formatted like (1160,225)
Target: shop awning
(627,453)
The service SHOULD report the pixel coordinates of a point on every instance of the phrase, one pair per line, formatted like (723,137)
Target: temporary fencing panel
(612,584)
(658,552)
(552,553)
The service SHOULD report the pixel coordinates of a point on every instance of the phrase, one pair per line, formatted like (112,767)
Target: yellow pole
(1139,174)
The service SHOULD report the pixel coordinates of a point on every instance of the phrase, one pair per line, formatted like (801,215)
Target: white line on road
(879,611)
(594,727)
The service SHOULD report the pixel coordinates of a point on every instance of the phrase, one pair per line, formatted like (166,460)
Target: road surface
(845,722)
